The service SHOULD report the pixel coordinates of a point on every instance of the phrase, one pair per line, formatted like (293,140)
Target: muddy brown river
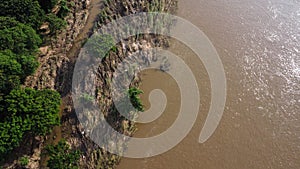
(259,44)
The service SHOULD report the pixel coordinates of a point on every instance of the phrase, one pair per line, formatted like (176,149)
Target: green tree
(61,156)
(27,110)
(24,161)
(40,107)
(28,63)
(26,11)
(14,69)
(17,37)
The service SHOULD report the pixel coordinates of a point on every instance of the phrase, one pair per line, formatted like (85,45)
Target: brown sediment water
(259,45)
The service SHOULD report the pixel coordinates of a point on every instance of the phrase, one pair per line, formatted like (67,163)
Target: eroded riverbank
(56,70)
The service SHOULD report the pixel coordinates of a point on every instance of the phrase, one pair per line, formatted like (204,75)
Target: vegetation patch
(135,99)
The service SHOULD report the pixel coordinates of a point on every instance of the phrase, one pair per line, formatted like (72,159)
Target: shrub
(64,9)
(12,131)
(27,110)
(28,63)
(10,72)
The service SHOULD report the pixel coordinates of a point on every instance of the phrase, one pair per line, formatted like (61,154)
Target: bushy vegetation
(61,156)
(19,66)
(38,106)
(12,131)
(64,9)
(33,13)
(10,73)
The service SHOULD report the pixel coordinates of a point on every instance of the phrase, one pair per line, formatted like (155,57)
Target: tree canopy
(14,69)
(55,23)
(18,37)
(40,106)
(27,110)
(28,12)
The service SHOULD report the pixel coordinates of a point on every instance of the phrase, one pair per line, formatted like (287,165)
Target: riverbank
(57,60)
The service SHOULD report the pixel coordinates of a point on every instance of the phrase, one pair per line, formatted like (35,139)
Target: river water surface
(259,44)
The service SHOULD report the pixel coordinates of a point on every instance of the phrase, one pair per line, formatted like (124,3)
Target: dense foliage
(24,161)
(39,106)
(18,37)
(14,69)
(28,12)
(10,73)
(64,9)
(27,110)
(61,156)
(12,131)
